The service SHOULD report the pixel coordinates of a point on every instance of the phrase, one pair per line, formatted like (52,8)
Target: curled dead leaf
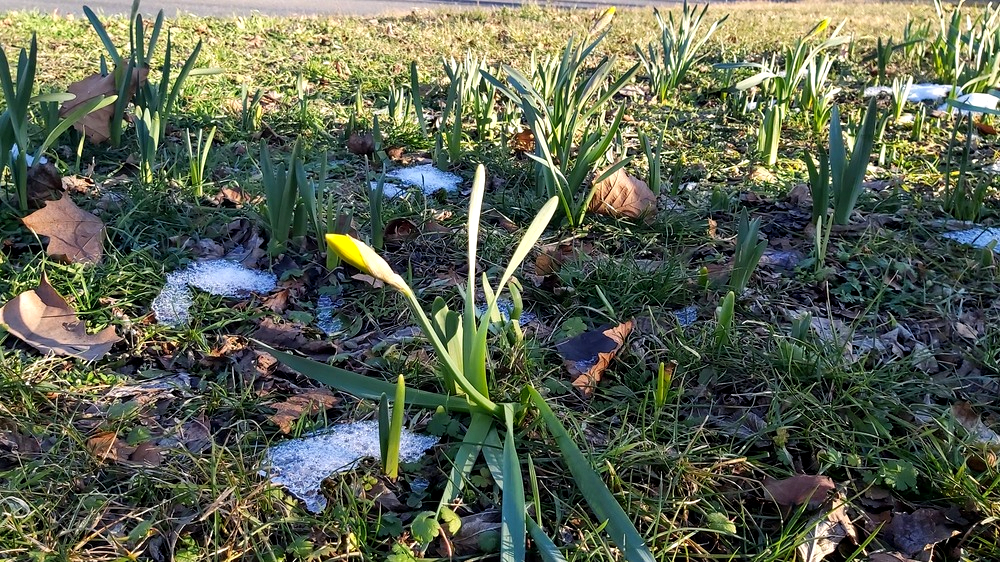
(622,195)
(361,143)
(45,183)
(42,319)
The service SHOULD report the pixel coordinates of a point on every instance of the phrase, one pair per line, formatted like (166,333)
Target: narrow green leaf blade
(596,493)
(362,386)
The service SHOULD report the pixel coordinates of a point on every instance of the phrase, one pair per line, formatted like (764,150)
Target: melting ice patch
(978,237)
(301,465)
(219,277)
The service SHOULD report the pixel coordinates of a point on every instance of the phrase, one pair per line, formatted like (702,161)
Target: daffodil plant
(460,340)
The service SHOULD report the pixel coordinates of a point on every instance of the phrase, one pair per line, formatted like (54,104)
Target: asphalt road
(289,7)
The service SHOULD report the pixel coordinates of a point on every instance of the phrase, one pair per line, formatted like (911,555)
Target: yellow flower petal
(347,248)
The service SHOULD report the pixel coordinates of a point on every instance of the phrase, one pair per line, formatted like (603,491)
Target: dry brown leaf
(973,423)
(523,141)
(799,489)
(282,336)
(622,195)
(97,124)
(309,402)
(194,435)
(399,230)
(475,528)
(42,319)
(107,446)
(146,453)
(914,533)
(588,355)
(74,234)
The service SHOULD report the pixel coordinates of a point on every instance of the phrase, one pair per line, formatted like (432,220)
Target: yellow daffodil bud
(361,256)
(603,21)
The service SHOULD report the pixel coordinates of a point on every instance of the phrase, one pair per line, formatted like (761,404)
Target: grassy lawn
(745,381)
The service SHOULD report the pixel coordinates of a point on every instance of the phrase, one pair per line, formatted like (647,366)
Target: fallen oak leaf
(588,355)
(74,234)
(42,319)
(622,195)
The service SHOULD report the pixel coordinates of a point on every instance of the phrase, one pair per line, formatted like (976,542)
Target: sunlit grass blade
(595,492)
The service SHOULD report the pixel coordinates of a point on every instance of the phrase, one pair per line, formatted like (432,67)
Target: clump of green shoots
(964,198)
(654,160)
(900,92)
(284,210)
(564,111)
(748,252)
(158,97)
(390,429)
(668,62)
(198,159)
(724,314)
(966,52)
(847,173)
(147,127)
(782,85)
(16,145)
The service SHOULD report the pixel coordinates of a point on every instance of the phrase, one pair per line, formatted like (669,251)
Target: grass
(877,418)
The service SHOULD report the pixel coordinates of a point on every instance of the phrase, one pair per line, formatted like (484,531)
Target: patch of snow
(872,91)
(978,237)
(993,169)
(427,178)
(223,278)
(301,465)
(389,190)
(930,92)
